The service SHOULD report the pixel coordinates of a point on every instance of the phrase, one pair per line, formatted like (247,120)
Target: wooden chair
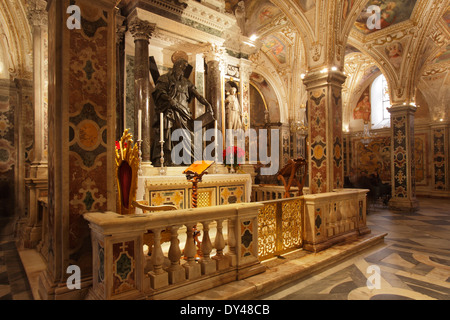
(127,168)
(289,173)
(127,171)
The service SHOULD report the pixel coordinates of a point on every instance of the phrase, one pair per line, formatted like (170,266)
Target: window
(380,102)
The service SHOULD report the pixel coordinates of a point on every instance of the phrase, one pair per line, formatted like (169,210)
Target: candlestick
(140,172)
(161,126)
(162,171)
(216,158)
(140,124)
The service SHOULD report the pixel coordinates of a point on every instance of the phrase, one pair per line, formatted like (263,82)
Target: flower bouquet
(237,155)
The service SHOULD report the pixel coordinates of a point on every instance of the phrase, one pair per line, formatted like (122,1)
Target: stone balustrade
(272,192)
(333,217)
(182,267)
(120,265)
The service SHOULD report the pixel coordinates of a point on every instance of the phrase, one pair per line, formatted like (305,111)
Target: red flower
(118,145)
(237,154)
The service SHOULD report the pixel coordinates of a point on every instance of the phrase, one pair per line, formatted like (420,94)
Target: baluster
(208,265)
(158,277)
(340,218)
(333,220)
(176,272)
(232,243)
(192,268)
(219,243)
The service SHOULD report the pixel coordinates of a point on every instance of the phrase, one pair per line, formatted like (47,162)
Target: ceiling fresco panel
(392,13)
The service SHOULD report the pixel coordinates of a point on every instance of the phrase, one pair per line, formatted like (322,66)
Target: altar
(216,189)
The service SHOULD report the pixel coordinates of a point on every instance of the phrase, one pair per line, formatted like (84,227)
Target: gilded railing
(280,227)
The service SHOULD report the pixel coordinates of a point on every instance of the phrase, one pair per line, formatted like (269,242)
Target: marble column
(142,32)
(403,170)
(37,15)
(81,171)
(325,153)
(36,181)
(120,75)
(214,83)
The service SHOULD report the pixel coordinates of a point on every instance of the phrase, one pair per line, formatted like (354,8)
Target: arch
(274,83)
(298,19)
(15,37)
(385,67)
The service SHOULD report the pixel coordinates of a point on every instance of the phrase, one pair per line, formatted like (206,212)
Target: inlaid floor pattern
(413,261)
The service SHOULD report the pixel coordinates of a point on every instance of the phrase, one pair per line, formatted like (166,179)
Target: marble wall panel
(231,195)
(88,130)
(124,267)
(247,239)
(439,161)
(170,197)
(400,157)
(338,158)
(318,125)
(8,107)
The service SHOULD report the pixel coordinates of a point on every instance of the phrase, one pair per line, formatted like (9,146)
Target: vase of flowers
(233,157)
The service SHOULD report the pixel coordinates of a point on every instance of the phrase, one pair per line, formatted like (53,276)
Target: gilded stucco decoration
(398,48)
(16,44)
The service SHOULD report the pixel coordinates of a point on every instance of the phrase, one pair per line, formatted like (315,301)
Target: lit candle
(161,129)
(140,125)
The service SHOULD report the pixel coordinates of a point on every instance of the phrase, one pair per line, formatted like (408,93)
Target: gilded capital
(140,29)
(37,12)
(213,52)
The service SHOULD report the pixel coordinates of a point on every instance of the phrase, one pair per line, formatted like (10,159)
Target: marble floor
(413,263)
(14,283)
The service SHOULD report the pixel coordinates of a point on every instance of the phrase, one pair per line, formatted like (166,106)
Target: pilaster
(325,157)
(440,133)
(402,158)
(81,147)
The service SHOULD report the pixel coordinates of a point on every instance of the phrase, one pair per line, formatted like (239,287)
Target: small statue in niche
(233,111)
(172,95)
(239,12)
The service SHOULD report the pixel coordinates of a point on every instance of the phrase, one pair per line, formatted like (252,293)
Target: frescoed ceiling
(307,5)
(446,17)
(392,13)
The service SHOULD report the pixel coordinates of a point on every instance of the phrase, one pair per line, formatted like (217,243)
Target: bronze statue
(172,96)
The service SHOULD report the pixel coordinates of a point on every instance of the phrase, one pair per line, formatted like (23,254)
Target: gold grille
(204,199)
(279,227)
(267,230)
